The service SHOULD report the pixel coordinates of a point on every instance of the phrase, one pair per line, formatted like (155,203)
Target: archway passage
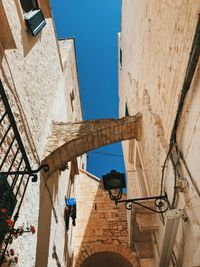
(73,139)
(106,259)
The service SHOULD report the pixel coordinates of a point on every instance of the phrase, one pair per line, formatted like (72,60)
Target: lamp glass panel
(114,182)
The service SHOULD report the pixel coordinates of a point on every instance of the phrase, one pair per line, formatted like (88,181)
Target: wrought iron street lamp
(114,183)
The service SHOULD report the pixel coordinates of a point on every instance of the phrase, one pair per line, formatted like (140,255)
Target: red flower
(9,222)
(32,229)
(12,252)
(16,259)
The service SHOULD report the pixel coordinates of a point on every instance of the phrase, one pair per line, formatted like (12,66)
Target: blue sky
(94,24)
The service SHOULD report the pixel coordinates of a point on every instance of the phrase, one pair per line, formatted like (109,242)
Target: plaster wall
(156,39)
(38,77)
(36,72)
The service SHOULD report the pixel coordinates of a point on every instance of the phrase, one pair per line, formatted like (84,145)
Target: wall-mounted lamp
(114,182)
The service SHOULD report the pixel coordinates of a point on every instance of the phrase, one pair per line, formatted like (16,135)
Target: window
(120,58)
(83,166)
(33,16)
(72,97)
(126,110)
(28,5)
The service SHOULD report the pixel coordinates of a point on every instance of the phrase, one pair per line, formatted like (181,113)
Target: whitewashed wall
(38,77)
(156,38)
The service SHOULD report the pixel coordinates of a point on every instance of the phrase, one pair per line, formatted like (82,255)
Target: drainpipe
(170,231)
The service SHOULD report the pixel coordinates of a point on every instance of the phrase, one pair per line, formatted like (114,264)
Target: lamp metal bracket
(161,203)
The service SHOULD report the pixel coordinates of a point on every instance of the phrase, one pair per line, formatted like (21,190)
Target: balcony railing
(15,170)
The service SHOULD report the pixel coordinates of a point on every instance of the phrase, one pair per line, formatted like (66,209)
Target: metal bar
(20,184)
(14,158)
(158,203)
(45,168)
(14,126)
(16,176)
(7,152)
(143,198)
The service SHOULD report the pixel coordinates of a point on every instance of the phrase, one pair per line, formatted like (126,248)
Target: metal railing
(15,168)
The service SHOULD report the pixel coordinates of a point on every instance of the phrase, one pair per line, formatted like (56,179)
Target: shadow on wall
(48,192)
(28,41)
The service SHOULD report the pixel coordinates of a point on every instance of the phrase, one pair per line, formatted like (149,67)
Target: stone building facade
(39,76)
(159,77)
(101,234)
(44,128)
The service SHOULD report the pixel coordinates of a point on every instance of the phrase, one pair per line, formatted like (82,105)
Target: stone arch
(125,253)
(73,139)
(106,259)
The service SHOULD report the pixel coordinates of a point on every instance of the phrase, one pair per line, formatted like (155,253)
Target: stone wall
(156,39)
(100,225)
(38,79)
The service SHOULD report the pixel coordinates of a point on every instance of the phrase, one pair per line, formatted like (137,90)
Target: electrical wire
(191,67)
(163,169)
(107,154)
(175,181)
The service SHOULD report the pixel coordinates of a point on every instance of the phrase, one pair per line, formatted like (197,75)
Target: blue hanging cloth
(71,204)
(70,201)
